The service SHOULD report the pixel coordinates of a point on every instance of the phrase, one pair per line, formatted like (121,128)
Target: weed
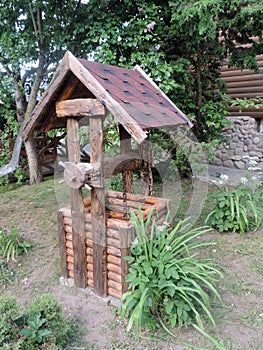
(12,244)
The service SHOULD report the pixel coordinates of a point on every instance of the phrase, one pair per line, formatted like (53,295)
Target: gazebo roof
(130,95)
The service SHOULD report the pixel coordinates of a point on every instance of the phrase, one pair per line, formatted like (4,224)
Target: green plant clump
(12,244)
(236,210)
(167,282)
(41,326)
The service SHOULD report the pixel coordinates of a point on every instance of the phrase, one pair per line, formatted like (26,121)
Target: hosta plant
(237,209)
(168,283)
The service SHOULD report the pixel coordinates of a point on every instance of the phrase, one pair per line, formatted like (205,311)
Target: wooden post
(125,147)
(127,236)
(146,178)
(77,209)
(62,245)
(98,215)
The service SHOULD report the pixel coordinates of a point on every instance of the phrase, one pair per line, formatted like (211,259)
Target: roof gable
(130,95)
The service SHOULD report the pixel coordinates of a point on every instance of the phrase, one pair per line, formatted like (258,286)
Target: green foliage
(12,244)
(42,326)
(34,331)
(236,210)
(168,283)
(7,274)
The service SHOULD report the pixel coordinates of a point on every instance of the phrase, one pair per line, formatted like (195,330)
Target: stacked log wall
(120,235)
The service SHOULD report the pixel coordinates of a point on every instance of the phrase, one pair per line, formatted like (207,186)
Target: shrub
(166,280)
(42,326)
(238,209)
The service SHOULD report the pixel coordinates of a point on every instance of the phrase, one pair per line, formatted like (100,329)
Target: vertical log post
(125,147)
(62,245)
(127,236)
(77,209)
(98,216)
(146,178)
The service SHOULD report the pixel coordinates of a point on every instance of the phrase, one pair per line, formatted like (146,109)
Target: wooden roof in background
(130,95)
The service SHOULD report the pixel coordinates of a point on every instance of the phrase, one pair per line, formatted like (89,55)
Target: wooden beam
(125,148)
(98,213)
(98,90)
(80,107)
(146,178)
(77,210)
(62,245)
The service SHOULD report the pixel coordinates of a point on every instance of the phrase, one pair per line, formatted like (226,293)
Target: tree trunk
(33,163)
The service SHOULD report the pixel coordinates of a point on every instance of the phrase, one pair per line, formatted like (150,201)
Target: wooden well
(119,237)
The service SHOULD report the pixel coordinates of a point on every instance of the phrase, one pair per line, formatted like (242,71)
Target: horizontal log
(90,274)
(87,218)
(111,259)
(258,115)
(89,251)
(89,243)
(132,197)
(77,175)
(114,276)
(250,109)
(114,293)
(89,259)
(113,233)
(90,266)
(66,211)
(116,224)
(114,251)
(90,282)
(113,242)
(70,259)
(69,251)
(113,268)
(67,221)
(80,107)
(87,202)
(115,285)
(234,70)
(122,162)
(68,229)
(88,234)
(245,84)
(88,227)
(71,266)
(241,89)
(111,201)
(71,273)
(115,215)
(69,244)
(68,236)
(246,95)
(242,78)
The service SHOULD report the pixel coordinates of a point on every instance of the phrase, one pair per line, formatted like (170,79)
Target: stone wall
(244,142)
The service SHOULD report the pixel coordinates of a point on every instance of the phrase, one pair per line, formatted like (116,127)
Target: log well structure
(95,233)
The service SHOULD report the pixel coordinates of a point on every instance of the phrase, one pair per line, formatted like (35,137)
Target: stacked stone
(243,142)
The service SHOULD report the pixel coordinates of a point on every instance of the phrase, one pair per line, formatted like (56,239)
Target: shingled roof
(128,93)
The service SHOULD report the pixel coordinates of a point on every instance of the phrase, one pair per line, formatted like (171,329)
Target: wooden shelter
(95,233)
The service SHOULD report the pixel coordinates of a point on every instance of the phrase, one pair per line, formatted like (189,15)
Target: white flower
(161,228)
(224,178)
(253,163)
(168,247)
(243,180)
